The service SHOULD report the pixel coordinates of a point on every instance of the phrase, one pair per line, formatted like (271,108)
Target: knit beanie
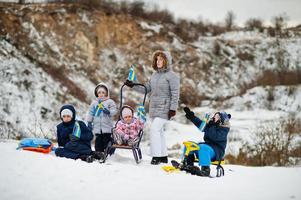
(126,111)
(66,112)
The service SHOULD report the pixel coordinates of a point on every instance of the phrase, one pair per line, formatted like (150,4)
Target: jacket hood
(101,85)
(126,106)
(69,107)
(168,60)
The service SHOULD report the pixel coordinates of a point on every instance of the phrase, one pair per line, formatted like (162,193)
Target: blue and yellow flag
(132,75)
(98,109)
(76,130)
(204,122)
(141,112)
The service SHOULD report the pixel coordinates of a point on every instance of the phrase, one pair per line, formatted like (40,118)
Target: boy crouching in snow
(73,137)
(128,128)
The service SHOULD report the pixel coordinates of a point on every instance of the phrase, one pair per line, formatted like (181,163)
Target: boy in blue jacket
(73,137)
(215,140)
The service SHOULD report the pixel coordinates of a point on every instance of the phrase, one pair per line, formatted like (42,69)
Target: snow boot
(189,160)
(205,171)
(194,170)
(164,159)
(155,160)
(98,155)
(182,166)
(87,158)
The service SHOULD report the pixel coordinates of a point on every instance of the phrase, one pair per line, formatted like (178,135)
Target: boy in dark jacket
(74,137)
(215,140)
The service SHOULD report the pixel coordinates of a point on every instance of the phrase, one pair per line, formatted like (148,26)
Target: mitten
(211,123)
(73,138)
(189,113)
(129,83)
(106,111)
(171,113)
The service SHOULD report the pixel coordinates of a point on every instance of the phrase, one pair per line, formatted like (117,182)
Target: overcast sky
(215,10)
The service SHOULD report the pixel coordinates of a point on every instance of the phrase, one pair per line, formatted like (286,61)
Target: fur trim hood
(101,85)
(167,57)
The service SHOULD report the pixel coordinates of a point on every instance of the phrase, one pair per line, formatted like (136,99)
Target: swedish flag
(132,75)
(76,130)
(141,112)
(204,122)
(98,109)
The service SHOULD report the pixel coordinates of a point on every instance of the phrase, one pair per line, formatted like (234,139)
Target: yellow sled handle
(190,146)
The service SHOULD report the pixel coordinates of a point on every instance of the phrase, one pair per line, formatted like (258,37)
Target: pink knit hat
(126,111)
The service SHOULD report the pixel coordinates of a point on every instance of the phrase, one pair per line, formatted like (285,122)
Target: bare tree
(229,20)
(254,24)
(280,22)
(137,8)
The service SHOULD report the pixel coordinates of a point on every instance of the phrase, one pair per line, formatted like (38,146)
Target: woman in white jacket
(164,89)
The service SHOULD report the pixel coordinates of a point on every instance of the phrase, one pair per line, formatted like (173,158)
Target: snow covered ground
(30,175)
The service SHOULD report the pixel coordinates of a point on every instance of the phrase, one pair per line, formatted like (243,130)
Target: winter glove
(211,123)
(106,111)
(171,113)
(129,83)
(189,114)
(90,126)
(73,138)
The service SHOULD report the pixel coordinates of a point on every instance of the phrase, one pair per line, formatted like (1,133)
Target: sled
(112,146)
(192,147)
(39,145)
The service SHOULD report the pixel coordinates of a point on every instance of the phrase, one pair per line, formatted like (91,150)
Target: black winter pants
(101,141)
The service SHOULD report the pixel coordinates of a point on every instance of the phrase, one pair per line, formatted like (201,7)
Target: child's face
(67,118)
(216,117)
(127,119)
(101,92)
(160,62)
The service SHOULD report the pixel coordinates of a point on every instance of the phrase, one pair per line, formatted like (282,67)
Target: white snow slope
(35,176)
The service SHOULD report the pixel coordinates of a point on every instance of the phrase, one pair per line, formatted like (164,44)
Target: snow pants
(205,154)
(158,146)
(63,152)
(119,139)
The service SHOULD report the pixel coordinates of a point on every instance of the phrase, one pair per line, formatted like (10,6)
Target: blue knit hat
(225,117)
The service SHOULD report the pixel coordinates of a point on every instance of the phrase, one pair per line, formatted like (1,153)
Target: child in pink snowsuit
(127,129)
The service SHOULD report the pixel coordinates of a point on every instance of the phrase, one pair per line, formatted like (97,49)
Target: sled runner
(113,145)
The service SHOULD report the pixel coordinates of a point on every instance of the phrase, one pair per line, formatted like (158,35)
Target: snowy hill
(239,70)
(52,54)
(29,175)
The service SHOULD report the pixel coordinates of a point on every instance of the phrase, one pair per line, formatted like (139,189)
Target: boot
(205,171)
(98,155)
(164,159)
(87,158)
(189,160)
(155,161)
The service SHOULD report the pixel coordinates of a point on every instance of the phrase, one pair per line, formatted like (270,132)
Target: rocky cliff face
(53,54)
